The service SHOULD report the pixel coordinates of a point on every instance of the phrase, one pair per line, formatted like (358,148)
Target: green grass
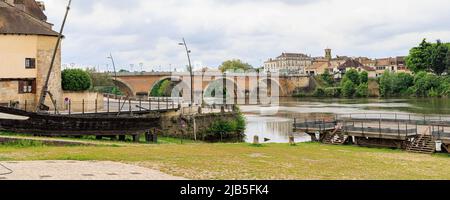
(244,161)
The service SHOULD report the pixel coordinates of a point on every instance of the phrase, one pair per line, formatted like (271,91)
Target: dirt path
(78,170)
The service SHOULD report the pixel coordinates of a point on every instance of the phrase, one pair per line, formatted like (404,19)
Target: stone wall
(9,92)
(90,99)
(45,48)
(195,126)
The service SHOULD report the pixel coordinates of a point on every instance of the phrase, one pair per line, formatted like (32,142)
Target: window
(27,86)
(30,63)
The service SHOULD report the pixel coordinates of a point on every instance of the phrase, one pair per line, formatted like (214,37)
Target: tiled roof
(16,21)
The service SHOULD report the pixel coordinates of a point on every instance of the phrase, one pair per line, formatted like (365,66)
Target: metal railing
(396,117)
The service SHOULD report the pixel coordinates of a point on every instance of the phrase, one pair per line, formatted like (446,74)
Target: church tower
(328,54)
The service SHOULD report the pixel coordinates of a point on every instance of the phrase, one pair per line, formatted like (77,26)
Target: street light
(188,52)
(114,66)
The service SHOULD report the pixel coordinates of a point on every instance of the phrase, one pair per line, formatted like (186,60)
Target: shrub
(75,80)
(362,90)
(320,92)
(353,76)
(348,88)
(327,78)
(364,77)
(333,92)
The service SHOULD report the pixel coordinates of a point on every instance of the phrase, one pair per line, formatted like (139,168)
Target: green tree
(75,80)
(353,76)
(348,88)
(327,78)
(362,90)
(364,77)
(234,65)
(386,84)
(418,59)
(401,82)
(438,57)
(161,89)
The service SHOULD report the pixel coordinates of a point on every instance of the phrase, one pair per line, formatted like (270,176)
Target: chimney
(41,5)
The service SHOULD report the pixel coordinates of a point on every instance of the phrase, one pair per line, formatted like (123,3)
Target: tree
(123,70)
(401,82)
(417,60)
(364,77)
(362,90)
(438,57)
(348,88)
(386,84)
(327,78)
(234,65)
(75,80)
(353,76)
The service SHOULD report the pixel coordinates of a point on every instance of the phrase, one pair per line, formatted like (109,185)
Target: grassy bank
(244,161)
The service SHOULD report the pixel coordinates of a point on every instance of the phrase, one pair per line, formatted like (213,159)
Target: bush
(353,76)
(362,90)
(348,88)
(327,78)
(333,92)
(75,80)
(364,77)
(320,92)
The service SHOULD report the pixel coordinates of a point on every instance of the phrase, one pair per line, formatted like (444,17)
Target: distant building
(289,63)
(339,65)
(27,42)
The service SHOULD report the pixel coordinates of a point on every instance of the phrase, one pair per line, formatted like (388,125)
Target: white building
(290,63)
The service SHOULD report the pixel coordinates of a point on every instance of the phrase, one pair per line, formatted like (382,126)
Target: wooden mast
(40,107)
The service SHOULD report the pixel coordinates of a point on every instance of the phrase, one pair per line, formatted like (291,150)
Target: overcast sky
(148,31)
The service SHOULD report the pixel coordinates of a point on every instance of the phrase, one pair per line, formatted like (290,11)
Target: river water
(275,124)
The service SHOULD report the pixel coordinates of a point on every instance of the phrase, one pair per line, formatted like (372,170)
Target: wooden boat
(106,124)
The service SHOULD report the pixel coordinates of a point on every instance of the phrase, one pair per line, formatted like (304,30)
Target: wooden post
(167,103)
(25,105)
(96,106)
(56,109)
(70,106)
(129,106)
(256,140)
(140,104)
(291,140)
(118,108)
(150,104)
(108,105)
(158,103)
(83,106)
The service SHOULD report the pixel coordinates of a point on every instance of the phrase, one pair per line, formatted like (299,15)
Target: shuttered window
(30,63)
(27,86)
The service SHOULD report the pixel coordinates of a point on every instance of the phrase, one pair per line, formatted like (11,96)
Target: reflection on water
(278,127)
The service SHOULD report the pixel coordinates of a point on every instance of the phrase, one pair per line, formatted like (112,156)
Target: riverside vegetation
(429,62)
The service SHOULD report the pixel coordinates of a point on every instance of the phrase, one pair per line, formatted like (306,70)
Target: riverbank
(244,161)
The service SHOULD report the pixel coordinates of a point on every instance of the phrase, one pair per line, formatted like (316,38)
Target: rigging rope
(10,171)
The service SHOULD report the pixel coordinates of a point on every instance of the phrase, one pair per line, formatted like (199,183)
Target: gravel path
(78,170)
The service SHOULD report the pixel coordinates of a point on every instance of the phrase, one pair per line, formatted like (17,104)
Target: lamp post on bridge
(114,65)
(188,52)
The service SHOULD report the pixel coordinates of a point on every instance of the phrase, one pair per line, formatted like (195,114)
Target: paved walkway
(78,170)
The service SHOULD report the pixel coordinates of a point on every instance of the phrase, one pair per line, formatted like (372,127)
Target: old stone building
(27,42)
(288,63)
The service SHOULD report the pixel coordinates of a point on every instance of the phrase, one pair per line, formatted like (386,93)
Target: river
(277,127)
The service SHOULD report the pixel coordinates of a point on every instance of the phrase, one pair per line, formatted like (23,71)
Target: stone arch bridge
(140,84)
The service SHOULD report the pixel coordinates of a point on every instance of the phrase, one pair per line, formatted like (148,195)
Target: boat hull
(77,125)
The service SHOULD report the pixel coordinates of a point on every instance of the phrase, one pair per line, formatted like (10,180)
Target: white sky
(148,31)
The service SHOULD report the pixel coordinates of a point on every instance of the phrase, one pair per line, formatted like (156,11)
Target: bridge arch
(213,94)
(124,87)
(177,88)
